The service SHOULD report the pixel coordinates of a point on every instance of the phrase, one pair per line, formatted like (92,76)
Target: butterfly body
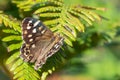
(39,42)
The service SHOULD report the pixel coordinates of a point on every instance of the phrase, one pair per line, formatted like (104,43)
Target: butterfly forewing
(39,42)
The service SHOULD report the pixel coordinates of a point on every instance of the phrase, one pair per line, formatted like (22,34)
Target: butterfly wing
(39,42)
(48,50)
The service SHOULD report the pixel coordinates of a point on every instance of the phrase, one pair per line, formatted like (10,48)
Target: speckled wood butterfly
(39,42)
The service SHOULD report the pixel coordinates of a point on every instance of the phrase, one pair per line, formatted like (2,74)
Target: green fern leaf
(29,5)
(49,15)
(21,69)
(83,17)
(48,9)
(16,64)
(10,31)
(12,58)
(14,46)
(52,22)
(8,23)
(11,38)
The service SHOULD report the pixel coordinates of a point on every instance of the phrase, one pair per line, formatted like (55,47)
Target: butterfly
(39,42)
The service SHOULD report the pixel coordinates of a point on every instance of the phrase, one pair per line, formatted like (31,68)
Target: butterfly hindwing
(48,50)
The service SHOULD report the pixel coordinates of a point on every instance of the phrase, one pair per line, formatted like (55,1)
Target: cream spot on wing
(30,40)
(26,53)
(36,23)
(56,46)
(33,46)
(30,21)
(61,41)
(29,35)
(25,32)
(43,31)
(28,27)
(30,57)
(27,45)
(40,28)
(34,30)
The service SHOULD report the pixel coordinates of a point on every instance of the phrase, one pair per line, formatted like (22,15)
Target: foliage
(71,21)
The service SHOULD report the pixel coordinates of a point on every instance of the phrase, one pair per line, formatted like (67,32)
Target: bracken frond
(9,22)
(21,70)
(61,19)
(67,20)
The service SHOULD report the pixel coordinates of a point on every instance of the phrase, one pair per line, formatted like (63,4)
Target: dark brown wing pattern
(39,42)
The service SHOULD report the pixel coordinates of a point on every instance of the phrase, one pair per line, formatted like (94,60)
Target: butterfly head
(30,22)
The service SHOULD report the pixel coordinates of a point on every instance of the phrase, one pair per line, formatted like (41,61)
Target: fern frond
(12,36)
(90,8)
(75,22)
(12,58)
(86,13)
(20,69)
(30,4)
(23,5)
(24,71)
(83,17)
(64,19)
(8,23)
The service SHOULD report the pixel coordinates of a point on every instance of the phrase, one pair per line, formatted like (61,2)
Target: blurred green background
(100,62)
